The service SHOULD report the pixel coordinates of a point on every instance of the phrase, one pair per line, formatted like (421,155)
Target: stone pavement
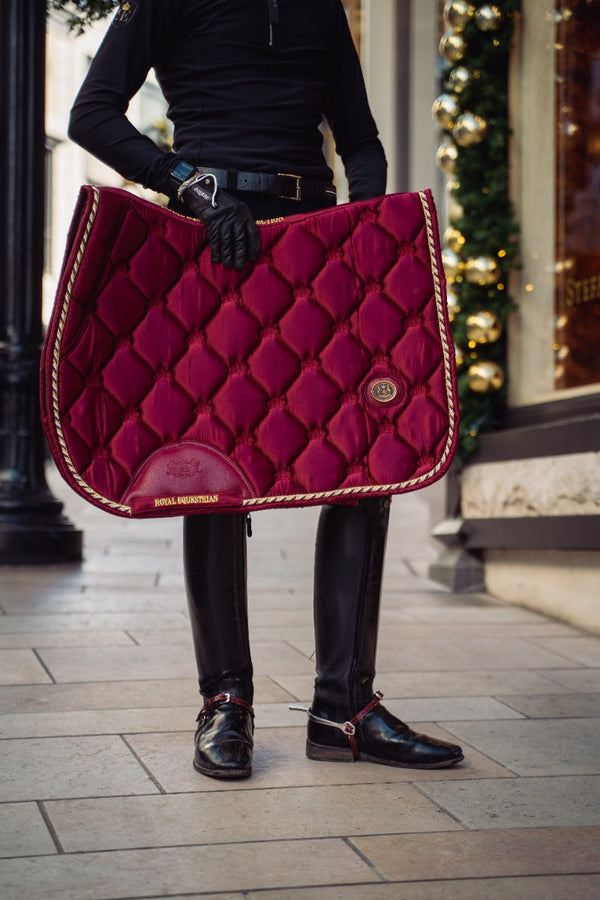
(99,797)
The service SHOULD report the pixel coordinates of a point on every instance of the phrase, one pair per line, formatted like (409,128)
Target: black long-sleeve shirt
(243,91)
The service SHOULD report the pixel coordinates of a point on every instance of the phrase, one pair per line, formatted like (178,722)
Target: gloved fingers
(228,243)
(241,247)
(252,240)
(213,232)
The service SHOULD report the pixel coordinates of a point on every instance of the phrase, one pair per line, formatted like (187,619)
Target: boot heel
(328,754)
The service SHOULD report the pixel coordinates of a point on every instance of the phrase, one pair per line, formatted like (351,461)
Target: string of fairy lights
(480,246)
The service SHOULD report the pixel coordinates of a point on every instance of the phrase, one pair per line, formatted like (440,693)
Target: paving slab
(96,695)
(429,655)
(393,630)
(172,582)
(423,598)
(584,650)
(183,870)
(480,683)
(550,887)
(140,598)
(278,599)
(23,831)
(37,640)
(45,768)
(144,564)
(86,722)
(22,667)
(218,895)
(117,663)
(288,617)
(520,802)
(555,706)
(109,547)
(85,696)
(166,661)
(441,709)
(77,582)
(483,854)
(452,609)
(582,680)
(537,747)
(85,623)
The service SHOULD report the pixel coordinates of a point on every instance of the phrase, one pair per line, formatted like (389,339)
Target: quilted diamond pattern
(322,373)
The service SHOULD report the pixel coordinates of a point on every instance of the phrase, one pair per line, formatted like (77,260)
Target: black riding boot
(346,720)
(214,547)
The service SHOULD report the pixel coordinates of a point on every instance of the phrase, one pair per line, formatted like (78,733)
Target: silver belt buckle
(298,186)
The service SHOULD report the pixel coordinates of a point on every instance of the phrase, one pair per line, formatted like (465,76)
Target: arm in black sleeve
(350,118)
(98,121)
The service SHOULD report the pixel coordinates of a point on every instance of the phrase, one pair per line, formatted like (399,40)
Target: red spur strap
(350,726)
(224,698)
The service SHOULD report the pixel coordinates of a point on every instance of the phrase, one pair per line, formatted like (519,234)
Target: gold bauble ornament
(485,377)
(482,270)
(454,208)
(459,79)
(454,239)
(453,305)
(469,129)
(446,156)
(451,263)
(457,13)
(453,46)
(445,110)
(488,17)
(483,327)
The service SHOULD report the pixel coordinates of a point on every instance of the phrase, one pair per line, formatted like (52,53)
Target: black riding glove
(232,232)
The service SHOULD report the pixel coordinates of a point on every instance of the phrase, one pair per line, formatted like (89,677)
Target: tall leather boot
(214,547)
(346,719)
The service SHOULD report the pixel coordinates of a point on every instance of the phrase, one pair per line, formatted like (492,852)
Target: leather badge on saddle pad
(322,373)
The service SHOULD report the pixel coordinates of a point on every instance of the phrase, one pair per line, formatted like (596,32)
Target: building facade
(530,496)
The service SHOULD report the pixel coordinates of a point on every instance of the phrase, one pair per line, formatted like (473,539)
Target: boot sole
(341,754)
(222,773)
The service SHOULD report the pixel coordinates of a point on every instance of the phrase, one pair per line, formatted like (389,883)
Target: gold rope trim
(284,498)
(56,362)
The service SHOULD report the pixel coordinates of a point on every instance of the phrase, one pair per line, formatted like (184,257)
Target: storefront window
(577,287)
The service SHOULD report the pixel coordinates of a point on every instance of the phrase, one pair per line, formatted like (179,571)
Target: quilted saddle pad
(322,373)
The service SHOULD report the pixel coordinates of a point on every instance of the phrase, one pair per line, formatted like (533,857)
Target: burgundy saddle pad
(322,373)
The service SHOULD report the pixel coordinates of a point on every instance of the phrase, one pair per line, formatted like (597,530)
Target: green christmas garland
(481,241)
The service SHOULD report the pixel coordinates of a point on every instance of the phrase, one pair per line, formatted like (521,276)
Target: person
(248,84)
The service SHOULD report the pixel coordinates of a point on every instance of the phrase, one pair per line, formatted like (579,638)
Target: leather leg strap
(218,699)
(349,727)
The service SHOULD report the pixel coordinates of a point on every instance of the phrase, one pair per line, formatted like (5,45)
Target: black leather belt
(282,184)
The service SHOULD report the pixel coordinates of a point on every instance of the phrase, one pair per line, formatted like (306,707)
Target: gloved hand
(232,232)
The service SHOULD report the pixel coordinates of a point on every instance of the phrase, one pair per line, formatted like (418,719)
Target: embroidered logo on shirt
(125,13)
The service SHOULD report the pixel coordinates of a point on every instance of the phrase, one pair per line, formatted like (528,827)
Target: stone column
(32,529)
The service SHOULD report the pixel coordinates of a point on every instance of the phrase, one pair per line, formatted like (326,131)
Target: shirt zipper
(273,10)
